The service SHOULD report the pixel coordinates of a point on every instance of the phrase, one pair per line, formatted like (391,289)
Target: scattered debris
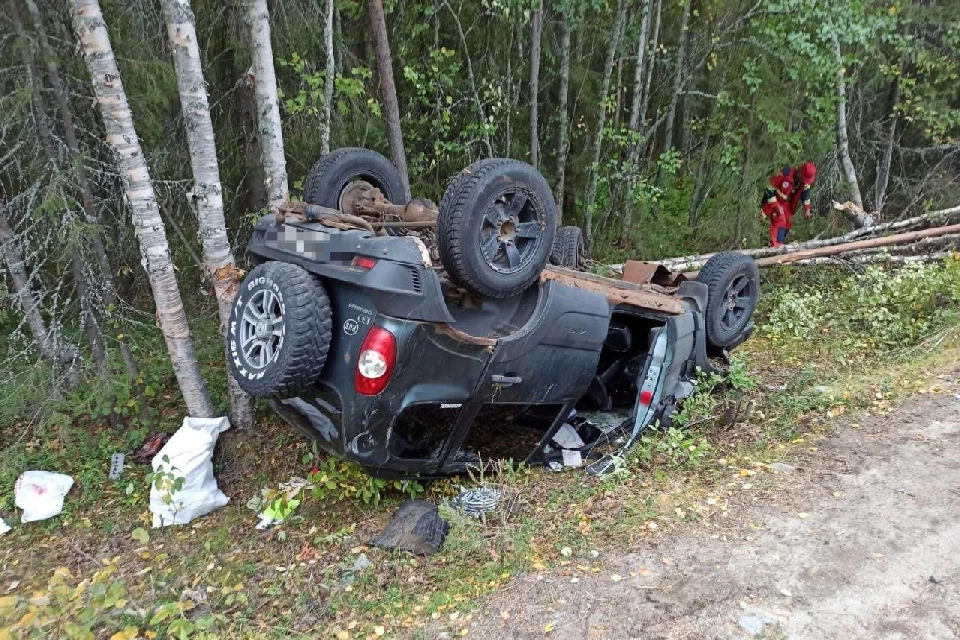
(416,528)
(476,502)
(278,504)
(781,467)
(754,624)
(362,562)
(148,449)
(4,527)
(183,486)
(936,579)
(116,466)
(40,494)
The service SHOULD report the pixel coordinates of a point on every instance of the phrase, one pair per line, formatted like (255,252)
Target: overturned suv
(408,367)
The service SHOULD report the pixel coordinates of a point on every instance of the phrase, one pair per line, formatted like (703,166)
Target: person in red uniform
(789,189)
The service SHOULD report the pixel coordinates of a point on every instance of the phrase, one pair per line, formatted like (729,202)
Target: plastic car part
(280,330)
(496,227)
(334,172)
(733,288)
(569,249)
(378,356)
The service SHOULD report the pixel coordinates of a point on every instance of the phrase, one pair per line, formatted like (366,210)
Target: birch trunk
(638,71)
(91,31)
(601,121)
(651,62)
(674,94)
(536,29)
(843,141)
(388,91)
(206,197)
(47,341)
(478,103)
(564,124)
(268,105)
(328,82)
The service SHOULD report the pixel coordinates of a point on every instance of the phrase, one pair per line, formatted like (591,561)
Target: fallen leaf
(566,552)
(802,515)
(616,577)
(379,630)
(140,535)
(549,627)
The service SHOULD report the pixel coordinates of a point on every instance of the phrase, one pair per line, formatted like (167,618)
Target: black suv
(362,341)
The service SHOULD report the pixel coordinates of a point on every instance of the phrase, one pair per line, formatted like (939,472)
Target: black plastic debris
(416,527)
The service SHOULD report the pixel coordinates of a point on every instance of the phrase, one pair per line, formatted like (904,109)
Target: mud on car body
(363,344)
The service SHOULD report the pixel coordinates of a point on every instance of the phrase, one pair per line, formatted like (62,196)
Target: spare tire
(496,227)
(733,288)
(569,249)
(281,326)
(332,173)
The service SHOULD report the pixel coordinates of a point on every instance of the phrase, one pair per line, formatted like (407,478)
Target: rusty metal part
(316,213)
(615,291)
(403,225)
(456,334)
(650,273)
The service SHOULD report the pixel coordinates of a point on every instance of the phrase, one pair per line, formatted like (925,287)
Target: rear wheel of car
(333,172)
(569,249)
(496,227)
(281,325)
(733,285)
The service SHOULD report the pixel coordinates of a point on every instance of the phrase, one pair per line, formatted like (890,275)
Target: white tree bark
(638,70)
(122,137)
(268,105)
(206,197)
(843,141)
(328,82)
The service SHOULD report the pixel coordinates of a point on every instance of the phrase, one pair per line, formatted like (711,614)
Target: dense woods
(655,121)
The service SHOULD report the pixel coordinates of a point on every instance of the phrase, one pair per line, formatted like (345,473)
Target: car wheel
(333,172)
(569,249)
(280,330)
(496,227)
(733,286)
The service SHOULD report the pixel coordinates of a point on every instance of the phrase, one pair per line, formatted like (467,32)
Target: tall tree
(597,142)
(388,90)
(328,80)
(48,341)
(536,28)
(206,197)
(91,30)
(675,91)
(843,140)
(564,124)
(268,105)
(639,68)
(651,61)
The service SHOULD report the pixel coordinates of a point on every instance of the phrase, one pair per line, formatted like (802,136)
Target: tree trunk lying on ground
(917,223)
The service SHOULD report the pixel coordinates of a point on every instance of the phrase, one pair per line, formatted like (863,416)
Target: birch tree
(536,28)
(328,81)
(268,105)
(601,119)
(564,124)
(843,140)
(206,197)
(121,136)
(388,90)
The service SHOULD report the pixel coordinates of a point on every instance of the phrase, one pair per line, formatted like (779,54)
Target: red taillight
(378,355)
(363,262)
(646,397)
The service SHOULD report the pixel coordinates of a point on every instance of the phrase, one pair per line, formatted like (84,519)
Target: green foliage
(880,310)
(340,480)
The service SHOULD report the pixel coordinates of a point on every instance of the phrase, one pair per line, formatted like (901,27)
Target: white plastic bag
(3,527)
(184,487)
(40,494)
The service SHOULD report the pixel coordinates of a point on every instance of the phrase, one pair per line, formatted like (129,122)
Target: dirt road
(861,539)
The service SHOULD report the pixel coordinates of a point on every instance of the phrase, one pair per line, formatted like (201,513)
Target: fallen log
(898,238)
(874,258)
(696,262)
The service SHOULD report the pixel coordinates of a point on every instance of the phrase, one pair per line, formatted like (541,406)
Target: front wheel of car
(281,326)
(733,288)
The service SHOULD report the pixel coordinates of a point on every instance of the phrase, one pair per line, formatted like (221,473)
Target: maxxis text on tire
(334,171)
(733,286)
(496,227)
(281,325)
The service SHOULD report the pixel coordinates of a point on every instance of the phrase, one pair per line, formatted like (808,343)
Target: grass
(219,577)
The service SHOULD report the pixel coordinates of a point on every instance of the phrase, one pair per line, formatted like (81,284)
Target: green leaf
(140,535)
